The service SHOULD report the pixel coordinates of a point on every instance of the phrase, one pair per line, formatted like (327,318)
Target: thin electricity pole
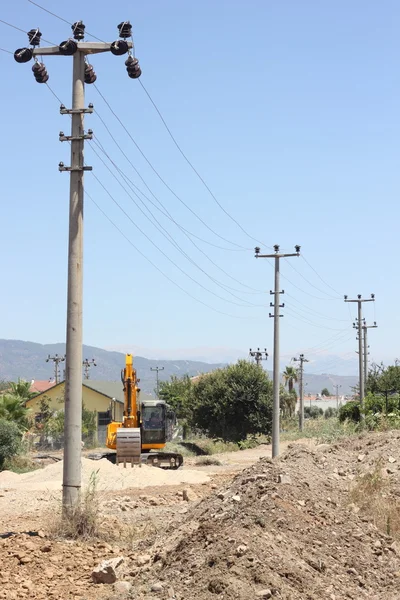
(337,386)
(57,360)
(82,73)
(365,327)
(157,369)
(259,355)
(87,364)
(276,408)
(360,345)
(301,360)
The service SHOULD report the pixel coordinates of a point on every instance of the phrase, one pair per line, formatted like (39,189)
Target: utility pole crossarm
(84,47)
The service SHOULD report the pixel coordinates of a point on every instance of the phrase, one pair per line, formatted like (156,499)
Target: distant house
(38,386)
(106,398)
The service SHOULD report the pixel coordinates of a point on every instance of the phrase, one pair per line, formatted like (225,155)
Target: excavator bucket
(129,446)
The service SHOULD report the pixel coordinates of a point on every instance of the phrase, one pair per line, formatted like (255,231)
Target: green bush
(330,412)
(313,412)
(10,441)
(377,403)
(350,412)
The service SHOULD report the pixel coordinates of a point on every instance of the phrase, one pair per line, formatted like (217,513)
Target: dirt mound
(108,476)
(284,529)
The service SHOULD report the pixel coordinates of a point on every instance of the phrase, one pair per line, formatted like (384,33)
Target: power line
(62,19)
(143,255)
(174,243)
(319,276)
(166,214)
(314,312)
(194,168)
(21,30)
(309,282)
(160,177)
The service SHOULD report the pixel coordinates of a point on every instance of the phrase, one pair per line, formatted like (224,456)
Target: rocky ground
(292,528)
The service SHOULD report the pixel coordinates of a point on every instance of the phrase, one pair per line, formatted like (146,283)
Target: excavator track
(129,446)
(164,460)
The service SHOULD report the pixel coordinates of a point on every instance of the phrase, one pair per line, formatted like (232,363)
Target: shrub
(330,412)
(313,412)
(205,461)
(350,412)
(10,441)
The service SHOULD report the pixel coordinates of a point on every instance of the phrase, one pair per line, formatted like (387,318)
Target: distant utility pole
(301,360)
(360,345)
(82,73)
(56,360)
(87,364)
(157,369)
(365,327)
(259,355)
(276,408)
(337,386)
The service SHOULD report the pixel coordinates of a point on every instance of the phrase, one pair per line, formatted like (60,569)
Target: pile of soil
(107,475)
(286,529)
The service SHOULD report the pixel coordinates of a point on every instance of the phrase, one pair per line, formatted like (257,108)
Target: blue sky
(289,110)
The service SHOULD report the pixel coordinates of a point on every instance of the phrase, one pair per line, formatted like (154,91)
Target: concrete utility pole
(56,360)
(301,360)
(276,408)
(259,355)
(337,386)
(82,73)
(365,327)
(157,369)
(360,344)
(87,364)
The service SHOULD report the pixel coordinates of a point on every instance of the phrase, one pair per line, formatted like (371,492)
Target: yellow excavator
(145,428)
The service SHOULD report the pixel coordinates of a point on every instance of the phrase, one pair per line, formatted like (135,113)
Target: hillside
(28,361)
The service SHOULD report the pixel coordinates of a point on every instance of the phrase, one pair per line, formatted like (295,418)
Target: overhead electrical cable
(166,234)
(165,212)
(160,176)
(159,269)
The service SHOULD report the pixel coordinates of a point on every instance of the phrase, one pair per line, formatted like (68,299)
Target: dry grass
(372,495)
(83,522)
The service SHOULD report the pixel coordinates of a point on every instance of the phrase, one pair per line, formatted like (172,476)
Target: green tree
(287,402)
(55,425)
(325,392)
(10,441)
(13,408)
(381,378)
(232,403)
(290,377)
(176,393)
(22,389)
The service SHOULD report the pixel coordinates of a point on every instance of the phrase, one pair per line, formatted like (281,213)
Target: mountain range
(27,360)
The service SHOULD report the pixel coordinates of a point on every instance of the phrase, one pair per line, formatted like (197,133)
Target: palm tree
(21,389)
(13,408)
(290,375)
